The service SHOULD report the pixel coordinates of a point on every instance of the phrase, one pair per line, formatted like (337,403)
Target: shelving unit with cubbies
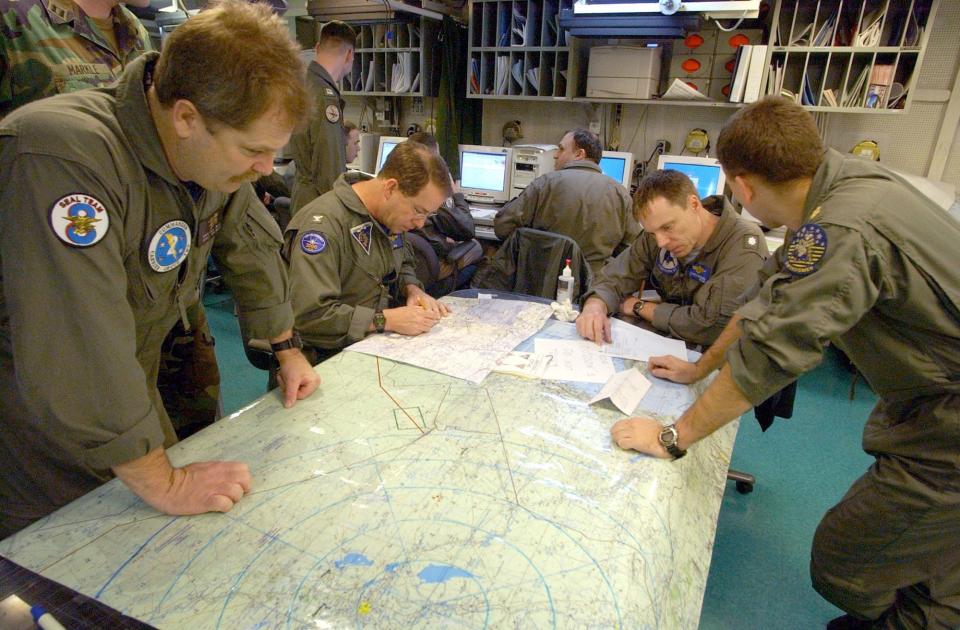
(393,59)
(517,50)
(849,55)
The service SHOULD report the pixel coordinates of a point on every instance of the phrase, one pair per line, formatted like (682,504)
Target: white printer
(624,72)
(530,161)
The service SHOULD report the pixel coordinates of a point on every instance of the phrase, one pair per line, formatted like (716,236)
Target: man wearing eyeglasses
(345,250)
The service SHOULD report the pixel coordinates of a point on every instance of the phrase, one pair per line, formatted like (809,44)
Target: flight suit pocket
(262,230)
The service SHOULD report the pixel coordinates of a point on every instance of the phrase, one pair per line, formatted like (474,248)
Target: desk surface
(399,497)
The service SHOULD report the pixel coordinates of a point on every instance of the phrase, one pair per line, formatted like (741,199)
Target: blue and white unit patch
(806,249)
(699,272)
(79,220)
(667,263)
(313,242)
(169,246)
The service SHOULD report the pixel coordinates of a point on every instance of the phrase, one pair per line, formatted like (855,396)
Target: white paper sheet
(625,390)
(525,364)
(574,362)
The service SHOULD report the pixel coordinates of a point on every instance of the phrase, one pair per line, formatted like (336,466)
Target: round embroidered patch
(667,263)
(79,220)
(313,242)
(806,249)
(333,113)
(169,246)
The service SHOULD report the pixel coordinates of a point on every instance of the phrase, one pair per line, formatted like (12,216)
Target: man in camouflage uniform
(56,46)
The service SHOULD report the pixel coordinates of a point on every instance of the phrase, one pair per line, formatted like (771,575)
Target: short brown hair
(348,126)
(234,61)
(425,138)
(588,141)
(672,185)
(337,34)
(774,138)
(413,165)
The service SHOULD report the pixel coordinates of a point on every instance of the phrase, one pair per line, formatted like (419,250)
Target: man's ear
(744,189)
(390,186)
(185,117)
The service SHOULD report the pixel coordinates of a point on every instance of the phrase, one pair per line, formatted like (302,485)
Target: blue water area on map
(353,559)
(392,567)
(439,573)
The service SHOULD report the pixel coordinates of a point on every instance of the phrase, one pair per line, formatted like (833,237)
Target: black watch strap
(293,342)
(379,321)
(668,439)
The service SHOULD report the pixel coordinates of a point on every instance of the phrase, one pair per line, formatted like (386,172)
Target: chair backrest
(530,261)
(426,263)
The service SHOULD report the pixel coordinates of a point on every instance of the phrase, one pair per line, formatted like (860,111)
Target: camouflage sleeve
(829,280)
(66,279)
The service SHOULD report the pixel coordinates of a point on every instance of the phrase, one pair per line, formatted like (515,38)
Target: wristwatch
(379,321)
(293,342)
(668,439)
(637,307)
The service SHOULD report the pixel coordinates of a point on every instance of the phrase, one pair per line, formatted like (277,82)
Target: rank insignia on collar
(667,263)
(699,272)
(169,246)
(806,249)
(313,242)
(362,234)
(79,220)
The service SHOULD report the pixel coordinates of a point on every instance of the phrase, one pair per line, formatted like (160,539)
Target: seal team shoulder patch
(313,242)
(79,220)
(169,246)
(806,249)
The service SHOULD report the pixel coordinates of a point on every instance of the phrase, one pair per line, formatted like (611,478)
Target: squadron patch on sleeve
(806,249)
(79,220)
(667,263)
(333,113)
(313,242)
(362,234)
(169,246)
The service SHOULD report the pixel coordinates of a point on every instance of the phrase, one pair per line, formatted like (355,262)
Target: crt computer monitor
(485,173)
(387,143)
(618,165)
(704,172)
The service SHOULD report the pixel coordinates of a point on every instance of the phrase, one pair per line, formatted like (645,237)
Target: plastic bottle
(565,286)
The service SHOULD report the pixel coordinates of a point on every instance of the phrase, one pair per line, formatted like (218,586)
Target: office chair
(436,280)
(530,261)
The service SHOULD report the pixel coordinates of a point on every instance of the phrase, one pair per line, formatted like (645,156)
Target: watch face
(668,436)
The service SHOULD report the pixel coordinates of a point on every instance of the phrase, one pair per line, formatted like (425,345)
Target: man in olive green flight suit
(111,200)
(698,255)
(868,265)
(58,46)
(318,151)
(576,200)
(348,272)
